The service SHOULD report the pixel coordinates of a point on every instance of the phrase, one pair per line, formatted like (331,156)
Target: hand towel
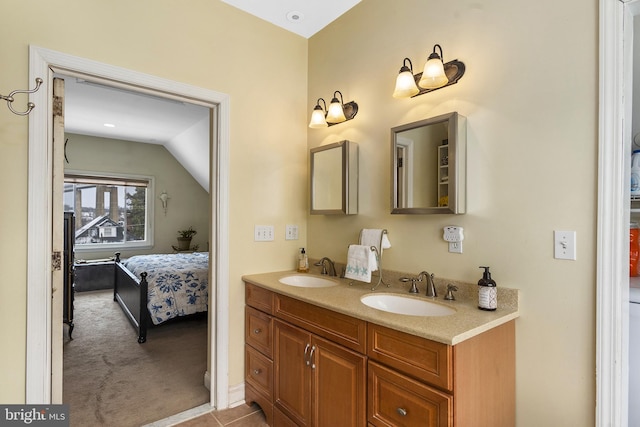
(361,261)
(372,236)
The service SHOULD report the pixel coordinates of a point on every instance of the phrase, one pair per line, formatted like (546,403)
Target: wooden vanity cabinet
(317,357)
(310,366)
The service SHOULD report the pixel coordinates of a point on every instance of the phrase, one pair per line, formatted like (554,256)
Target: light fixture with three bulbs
(436,75)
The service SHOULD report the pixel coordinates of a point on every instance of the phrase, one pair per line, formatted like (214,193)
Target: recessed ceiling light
(109,125)
(295,16)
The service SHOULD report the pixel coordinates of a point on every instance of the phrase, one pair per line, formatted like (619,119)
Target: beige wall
(188,204)
(204,43)
(530,96)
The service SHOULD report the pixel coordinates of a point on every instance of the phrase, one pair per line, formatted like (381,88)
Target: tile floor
(240,416)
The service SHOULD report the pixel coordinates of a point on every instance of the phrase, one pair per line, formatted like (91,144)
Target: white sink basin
(307,281)
(400,304)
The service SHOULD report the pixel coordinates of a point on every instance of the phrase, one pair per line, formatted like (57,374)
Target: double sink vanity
(325,351)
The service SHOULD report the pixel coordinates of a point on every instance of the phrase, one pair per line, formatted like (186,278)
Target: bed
(153,289)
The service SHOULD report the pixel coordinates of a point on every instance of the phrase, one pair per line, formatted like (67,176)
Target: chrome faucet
(332,266)
(431,287)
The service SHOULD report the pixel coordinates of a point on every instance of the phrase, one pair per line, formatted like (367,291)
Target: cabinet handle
(313,349)
(257,331)
(306,349)
(402,412)
(257,371)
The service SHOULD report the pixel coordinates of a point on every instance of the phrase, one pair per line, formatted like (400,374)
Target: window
(110,212)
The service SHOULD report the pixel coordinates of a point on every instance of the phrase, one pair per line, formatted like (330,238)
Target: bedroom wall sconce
(436,75)
(163,198)
(337,112)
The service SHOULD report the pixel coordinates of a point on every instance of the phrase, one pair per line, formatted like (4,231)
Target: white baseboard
(236,395)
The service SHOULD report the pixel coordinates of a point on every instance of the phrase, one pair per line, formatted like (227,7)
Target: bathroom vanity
(319,357)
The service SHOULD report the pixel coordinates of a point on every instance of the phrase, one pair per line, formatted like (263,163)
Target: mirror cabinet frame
(349,179)
(457,148)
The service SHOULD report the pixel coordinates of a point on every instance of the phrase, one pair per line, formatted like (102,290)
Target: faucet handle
(449,296)
(414,287)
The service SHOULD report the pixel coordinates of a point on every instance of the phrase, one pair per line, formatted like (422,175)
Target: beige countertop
(466,322)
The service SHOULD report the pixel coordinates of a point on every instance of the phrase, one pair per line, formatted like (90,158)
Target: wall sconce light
(435,75)
(337,112)
(163,198)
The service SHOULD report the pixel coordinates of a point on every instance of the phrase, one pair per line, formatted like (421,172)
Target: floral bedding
(178,283)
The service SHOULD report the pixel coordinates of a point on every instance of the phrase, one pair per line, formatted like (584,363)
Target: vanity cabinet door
(292,383)
(318,383)
(339,383)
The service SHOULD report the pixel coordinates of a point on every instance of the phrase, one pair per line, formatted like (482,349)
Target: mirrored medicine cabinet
(428,166)
(334,179)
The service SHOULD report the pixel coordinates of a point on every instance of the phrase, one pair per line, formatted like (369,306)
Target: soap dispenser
(303,262)
(487,292)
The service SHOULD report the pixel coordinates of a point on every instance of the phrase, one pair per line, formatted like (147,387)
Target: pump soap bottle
(303,262)
(487,292)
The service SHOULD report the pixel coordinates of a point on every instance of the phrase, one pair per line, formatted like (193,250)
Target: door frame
(43,63)
(612,276)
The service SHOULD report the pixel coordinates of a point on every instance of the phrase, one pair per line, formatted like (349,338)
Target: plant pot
(184,243)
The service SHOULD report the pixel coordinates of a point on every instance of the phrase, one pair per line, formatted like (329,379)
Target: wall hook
(30,105)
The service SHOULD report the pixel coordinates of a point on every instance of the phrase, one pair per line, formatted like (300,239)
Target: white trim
(612,224)
(42,63)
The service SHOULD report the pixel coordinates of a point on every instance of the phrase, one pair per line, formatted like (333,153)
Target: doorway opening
(114,208)
(44,368)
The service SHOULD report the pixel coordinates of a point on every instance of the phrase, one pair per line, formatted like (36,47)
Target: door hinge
(56,261)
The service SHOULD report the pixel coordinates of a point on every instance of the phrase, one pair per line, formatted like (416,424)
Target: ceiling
(140,117)
(303,17)
(109,112)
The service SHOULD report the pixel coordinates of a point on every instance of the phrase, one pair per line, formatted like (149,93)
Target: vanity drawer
(420,358)
(258,331)
(339,328)
(258,371)
(259,298)
(397,400)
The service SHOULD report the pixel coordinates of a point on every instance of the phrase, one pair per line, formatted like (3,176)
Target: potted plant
(184,239)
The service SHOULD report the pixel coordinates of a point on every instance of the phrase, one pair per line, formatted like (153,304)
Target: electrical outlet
(455,247)
(564,245)
(263,233)
(291,232)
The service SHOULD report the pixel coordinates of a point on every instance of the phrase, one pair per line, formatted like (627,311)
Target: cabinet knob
(402,412)
(257,371)
(257,331)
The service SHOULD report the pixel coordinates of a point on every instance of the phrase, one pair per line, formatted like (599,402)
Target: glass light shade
(433,75)
(335,114)
(405,85)
(317,119)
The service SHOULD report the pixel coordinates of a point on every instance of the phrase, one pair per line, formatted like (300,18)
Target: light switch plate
(291,232)
(263,233)
(564,245)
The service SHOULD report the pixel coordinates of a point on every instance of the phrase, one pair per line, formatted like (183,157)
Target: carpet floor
(111,380)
